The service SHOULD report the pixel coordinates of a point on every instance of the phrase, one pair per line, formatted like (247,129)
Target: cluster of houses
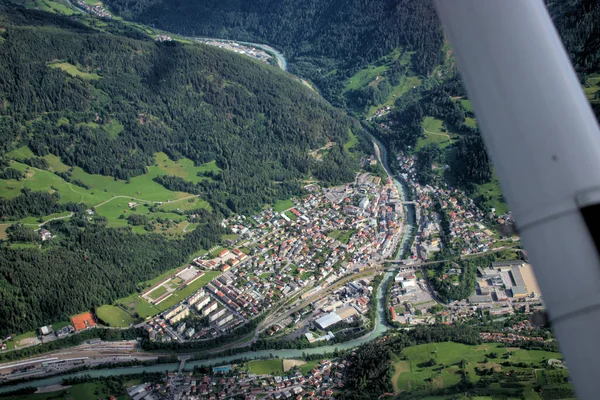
(468,231)
(302,250)
(499,337)
(232,381)
(243,49)
(95,9)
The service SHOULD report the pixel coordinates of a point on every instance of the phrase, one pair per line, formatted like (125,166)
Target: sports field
(266,367)
(114,316)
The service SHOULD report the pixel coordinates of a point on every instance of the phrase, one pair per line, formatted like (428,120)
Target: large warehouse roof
(328,320)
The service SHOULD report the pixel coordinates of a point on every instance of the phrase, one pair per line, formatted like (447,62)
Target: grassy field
(413,373)
(135,304)
(59,325)
(342,235)
(266,367)
(110,197)
(114,316)
(352,141)
(156,293)
(471,122)
(184,168)
(73,70)
(55,7)
(373,75)
(26,335)
(466,104)
(491,196)
(433,125)
(180,295)
(289,214)
(306,368)
(592,88)
(282,205)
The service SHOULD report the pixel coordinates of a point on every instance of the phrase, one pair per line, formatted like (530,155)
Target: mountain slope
(325,41)
(107,103)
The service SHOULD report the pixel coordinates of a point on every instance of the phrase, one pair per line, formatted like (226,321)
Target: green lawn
(309,366)
(73,70)
(282,205)
(216,251)
(266,367)
(114,316)
(135,304)
(156,293)
(193,203)
(365,76)
(441,140)
(413,374)
(113,128)
(342,235)
(59,325)
(180,295)
(291,215)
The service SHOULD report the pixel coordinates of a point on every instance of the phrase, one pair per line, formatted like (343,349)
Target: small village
(97,9)
(236,381)
(239,48)
(298,253)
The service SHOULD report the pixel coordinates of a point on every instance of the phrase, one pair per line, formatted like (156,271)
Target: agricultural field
(426,368)
(114,316)
(73,70)
(266,367)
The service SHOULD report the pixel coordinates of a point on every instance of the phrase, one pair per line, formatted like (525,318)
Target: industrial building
(328,320)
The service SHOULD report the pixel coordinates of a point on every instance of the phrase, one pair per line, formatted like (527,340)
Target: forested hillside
(125,99)
(325,41)
(85,266)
